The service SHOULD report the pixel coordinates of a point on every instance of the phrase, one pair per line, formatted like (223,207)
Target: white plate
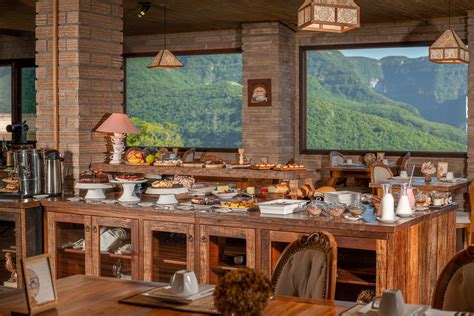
(41,196)
(145,204)
(421,208)
(109,201)
(388,221)
(405,215)
(74,199)
(225,196)
(352,217)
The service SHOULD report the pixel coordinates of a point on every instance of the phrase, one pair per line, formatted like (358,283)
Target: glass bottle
(403,207)
(388,202)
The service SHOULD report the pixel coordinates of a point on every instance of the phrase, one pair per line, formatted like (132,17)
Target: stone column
(470,112)
(90,76)
(268,53)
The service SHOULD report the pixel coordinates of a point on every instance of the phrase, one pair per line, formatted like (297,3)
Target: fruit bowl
(225,195)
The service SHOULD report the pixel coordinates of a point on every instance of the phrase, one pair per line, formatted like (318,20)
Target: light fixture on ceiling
(329,15)
(144,7)
(165,58)
(449,48)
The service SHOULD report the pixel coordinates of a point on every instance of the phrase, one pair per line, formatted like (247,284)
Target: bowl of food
(336,210)
(226,194)
(315,208)
(356,209)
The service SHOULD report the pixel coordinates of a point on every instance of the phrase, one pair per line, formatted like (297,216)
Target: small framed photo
(442,169)
(39,284)
(259,92)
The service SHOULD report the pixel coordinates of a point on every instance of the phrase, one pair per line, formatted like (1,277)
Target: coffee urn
(54,178)
(29,166)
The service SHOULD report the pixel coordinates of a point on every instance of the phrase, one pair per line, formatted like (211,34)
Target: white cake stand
(167,196)
(94,190)
(128,194)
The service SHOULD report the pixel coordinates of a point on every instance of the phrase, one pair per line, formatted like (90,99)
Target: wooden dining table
(88,295)
(355,170)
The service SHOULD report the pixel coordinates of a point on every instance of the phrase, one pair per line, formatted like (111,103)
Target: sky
(378,53)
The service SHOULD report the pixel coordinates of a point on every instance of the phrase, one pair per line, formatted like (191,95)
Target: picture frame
(259,92)
(39,284)
(442,169)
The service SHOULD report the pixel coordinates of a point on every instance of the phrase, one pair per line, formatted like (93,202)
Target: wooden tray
(192,165)
(215,166)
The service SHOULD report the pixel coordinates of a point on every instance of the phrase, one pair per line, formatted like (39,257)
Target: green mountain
(202,101)
(346,112)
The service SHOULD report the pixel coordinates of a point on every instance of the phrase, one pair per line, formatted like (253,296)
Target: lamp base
(119,147)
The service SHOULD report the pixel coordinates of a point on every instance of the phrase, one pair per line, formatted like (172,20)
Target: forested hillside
(201,102)
(362,103)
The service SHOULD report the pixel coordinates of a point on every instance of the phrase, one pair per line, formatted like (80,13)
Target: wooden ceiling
(200,15)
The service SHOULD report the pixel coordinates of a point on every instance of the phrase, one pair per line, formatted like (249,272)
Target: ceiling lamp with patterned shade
(449,48)
(329,15)
(165,58)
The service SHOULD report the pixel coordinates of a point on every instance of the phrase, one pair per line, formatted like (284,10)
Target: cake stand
(167,196)
(94,190)
(128,194)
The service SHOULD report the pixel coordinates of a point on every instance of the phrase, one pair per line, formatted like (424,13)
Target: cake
(94,176)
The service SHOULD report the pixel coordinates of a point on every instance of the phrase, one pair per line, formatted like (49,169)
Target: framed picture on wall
(39,284)
(259,92)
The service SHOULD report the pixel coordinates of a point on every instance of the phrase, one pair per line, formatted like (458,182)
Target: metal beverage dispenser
(29,165)
(53,169)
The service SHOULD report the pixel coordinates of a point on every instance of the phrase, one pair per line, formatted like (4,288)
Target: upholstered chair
(379,172)
(335,158)
(455,287)
(307,268)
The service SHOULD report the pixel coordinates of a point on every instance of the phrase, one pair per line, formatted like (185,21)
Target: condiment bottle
(388,202)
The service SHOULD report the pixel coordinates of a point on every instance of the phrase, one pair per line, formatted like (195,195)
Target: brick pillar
(90,76)
(470,114)
(268,52)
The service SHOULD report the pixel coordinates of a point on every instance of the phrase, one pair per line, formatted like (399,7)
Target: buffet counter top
(237,218)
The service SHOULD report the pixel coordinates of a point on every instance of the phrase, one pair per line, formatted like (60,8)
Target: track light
(145,6)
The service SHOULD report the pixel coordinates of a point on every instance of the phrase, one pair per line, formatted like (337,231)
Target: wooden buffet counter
(408,255)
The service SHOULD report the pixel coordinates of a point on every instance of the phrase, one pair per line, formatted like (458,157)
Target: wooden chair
(465,221)
(404,162)
(455,286)
(379,172)
(336,158)
(307,268)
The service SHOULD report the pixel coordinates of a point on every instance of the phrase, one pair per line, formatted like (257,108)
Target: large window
(388,99)
(199,105)
(17,96)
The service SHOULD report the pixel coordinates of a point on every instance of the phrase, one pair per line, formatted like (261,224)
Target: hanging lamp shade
(449,49)
(329,15)
(165,59)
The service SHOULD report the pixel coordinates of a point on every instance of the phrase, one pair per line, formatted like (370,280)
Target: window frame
(303,150)
(180,53)
(16,66)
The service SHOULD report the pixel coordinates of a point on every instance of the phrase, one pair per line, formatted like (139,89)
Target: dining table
(351,170)
(91,295)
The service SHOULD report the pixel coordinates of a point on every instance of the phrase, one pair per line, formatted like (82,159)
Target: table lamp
(119,124)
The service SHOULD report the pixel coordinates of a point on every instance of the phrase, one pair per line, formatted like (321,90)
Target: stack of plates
(344,197)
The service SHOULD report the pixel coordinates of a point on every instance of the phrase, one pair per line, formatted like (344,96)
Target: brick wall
(17,47)
(90,76)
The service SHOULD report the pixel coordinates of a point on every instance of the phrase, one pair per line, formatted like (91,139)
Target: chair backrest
(307,268)
(455,286)
(379,172)
(335,158)
(404,161)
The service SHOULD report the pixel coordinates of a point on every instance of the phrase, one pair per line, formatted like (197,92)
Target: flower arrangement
(242,292)
(428,169)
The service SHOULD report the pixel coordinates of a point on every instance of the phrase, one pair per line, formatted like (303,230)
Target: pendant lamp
(165,58)
(329,15)
(449,48)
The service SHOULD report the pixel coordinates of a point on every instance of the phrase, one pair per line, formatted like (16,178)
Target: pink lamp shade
(118,123)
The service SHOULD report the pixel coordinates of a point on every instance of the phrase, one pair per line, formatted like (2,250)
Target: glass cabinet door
(168,247)
(69,244)
(115,247)
(224,249)
(9,251)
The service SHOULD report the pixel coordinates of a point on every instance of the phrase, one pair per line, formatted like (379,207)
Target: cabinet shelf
(73,251)
(171,261)
(349,277)
(226,267)
(115,256)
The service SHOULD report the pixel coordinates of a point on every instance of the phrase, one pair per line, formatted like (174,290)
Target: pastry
(94,176)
